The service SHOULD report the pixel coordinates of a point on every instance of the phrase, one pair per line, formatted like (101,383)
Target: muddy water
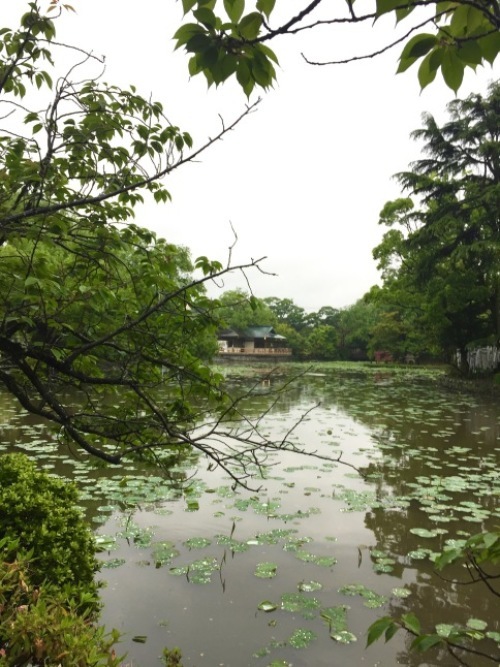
(326,548)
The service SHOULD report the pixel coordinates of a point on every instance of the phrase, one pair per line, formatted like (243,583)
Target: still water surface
(190,562)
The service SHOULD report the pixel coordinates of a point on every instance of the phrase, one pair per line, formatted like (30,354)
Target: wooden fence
(481,359)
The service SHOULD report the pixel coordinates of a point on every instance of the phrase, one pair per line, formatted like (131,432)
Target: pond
(294,572)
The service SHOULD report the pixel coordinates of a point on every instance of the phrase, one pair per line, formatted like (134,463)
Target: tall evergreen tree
(444,245)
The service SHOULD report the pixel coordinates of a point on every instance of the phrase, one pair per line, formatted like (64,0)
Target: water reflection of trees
(422,432)
(446,597)
(435,601)
(401,406)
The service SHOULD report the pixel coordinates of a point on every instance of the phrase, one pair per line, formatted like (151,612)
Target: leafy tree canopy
(228,38)
(238,309)
(441,253)
(104,328)
(287,312)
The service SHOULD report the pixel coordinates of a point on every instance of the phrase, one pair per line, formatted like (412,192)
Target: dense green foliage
(40,625)
(98,317)
(328,335)
(48,595)
(238,310)
(105,330)
(40,513)
(440,257)
(231,38)
(440,265)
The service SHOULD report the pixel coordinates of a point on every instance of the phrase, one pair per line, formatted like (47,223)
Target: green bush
(40,513)
(39,625)
(48,597)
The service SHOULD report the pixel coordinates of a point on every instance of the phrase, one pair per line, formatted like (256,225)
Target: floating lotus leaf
(401,592)
(309,586)
(297,603)
(476,624)
(113,562)
(301,638)
(197,543)
(266,570)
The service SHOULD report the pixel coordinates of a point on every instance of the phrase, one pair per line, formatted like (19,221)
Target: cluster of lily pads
(409,470)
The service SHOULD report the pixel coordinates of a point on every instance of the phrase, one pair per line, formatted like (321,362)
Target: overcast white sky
(302,180)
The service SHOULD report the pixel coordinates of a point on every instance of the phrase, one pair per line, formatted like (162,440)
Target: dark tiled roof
(251,332)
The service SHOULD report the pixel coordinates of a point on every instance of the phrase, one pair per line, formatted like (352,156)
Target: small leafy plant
(40,513)
(40,625)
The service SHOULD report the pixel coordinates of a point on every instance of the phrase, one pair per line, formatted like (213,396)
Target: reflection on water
(429,459)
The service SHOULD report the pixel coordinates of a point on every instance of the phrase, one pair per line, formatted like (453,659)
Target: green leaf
(445,6)
(193,67)
(250,25)
(244,77)
(490,46)
(187,5)
(386,6)
(476,624)
(425,642)
(404,64)
(267,52)
(206,16)
(447,557)
(266,6)
(426,71)
(301,638)
(266,570)
(403,12)
(31,280)
(198,43)
(262,71)
(234,9)
(411,622)
(453,69)
(419,45)
(391,631)
(470,53)
(225,66)
(445,630)
(185,32)
(254,302)
(459,21)
(380,627)
(208,58)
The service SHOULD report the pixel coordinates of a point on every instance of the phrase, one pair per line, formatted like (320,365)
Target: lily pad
(301,638)
(197,543)
(309,586)
(343,637)
(336,617)
(372,600)
(476,624)
(113,562)
(198,572)
(297,603)
(401,592)
(164,552)
(266,570)
(423,532)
